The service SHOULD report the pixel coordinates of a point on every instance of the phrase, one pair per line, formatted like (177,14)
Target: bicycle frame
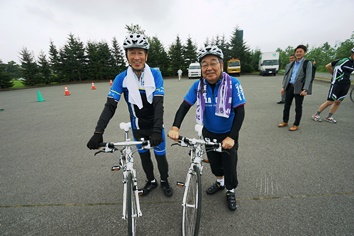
(126,164)
(192,197)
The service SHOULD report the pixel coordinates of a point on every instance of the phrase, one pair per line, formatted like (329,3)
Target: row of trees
(101,61)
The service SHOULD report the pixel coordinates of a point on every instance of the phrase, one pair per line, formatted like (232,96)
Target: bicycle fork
(188,179)
(136,196)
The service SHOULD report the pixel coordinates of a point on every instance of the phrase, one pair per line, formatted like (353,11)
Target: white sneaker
(330,120)
(316,117)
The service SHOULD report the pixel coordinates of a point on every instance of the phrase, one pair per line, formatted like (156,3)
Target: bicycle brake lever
(98,152)
(219,149)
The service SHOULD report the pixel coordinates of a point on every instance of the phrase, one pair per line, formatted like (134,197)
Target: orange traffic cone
(110,82)
(66,91)
(93,87)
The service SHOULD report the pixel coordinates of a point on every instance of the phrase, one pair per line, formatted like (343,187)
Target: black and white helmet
(210,50)
(352,50)
(136,41)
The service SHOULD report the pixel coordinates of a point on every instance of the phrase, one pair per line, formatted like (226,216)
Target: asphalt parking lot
(290,183)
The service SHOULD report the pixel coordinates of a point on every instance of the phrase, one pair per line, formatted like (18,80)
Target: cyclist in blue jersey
(143,91)
(340,70)
(220,109)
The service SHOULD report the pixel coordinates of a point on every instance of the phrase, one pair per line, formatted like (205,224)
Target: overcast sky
(267,24)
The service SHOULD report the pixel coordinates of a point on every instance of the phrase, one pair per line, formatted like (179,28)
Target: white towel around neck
(132,84)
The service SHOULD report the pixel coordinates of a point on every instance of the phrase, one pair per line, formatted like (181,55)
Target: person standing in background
(179,72)
(287,67)
(296,83)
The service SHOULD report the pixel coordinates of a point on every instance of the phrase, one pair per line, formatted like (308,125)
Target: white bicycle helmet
(352,50)
(210,50)
(136,41)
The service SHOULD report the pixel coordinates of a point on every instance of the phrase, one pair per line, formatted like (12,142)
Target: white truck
(194,70)
(268,63)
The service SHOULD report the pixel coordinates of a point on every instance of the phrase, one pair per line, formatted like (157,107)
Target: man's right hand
(95,140)
(173,133)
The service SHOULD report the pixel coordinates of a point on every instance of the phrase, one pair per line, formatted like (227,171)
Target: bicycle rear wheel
(131,206)
(352,94)
(192,203)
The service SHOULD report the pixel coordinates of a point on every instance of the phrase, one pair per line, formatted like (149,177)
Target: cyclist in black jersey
(143,91)
(340,70)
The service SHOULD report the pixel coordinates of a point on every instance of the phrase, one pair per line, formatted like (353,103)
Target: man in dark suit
(287,67)
(295,85)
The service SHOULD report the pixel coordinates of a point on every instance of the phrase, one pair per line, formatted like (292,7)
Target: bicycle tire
(352,94)
(131,206)
(193,205)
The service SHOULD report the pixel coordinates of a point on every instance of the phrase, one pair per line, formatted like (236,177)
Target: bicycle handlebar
(205,142)
(144,143)
(110,147)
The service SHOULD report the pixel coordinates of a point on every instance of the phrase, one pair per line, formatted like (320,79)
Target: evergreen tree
(176,54)
(157,55)
(119,58)
(13,69)
(223,45)
(93,68)
(134,29)
(29,68)
(106,61)
(190,53)
(5,77)
(55,63)
(239,49)
(45,73)
(74,59)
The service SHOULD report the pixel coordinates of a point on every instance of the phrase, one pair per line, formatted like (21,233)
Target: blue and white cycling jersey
(212,122)
(140,118)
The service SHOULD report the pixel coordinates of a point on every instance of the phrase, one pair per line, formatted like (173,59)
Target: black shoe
(214,188)
(148,187)
(167,190)
(231,200)
(280,102)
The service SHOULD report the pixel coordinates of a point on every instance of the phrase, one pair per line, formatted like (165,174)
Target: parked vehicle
(234,66)
(268,63)
(194,70)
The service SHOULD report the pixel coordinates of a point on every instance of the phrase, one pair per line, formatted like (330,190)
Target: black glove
(95,140)
(155,139)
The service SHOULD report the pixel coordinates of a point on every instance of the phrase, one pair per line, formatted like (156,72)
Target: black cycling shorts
(338,92)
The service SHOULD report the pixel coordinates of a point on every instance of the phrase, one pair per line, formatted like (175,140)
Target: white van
(194,70)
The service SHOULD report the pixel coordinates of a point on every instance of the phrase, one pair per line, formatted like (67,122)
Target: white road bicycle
(131,204)
(192,197)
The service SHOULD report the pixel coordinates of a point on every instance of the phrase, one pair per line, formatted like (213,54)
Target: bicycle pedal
(180,184)
(115,168)
(140,192)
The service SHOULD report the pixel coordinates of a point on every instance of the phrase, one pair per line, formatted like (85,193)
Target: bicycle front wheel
(131,206)
(352,94)
(192,203)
